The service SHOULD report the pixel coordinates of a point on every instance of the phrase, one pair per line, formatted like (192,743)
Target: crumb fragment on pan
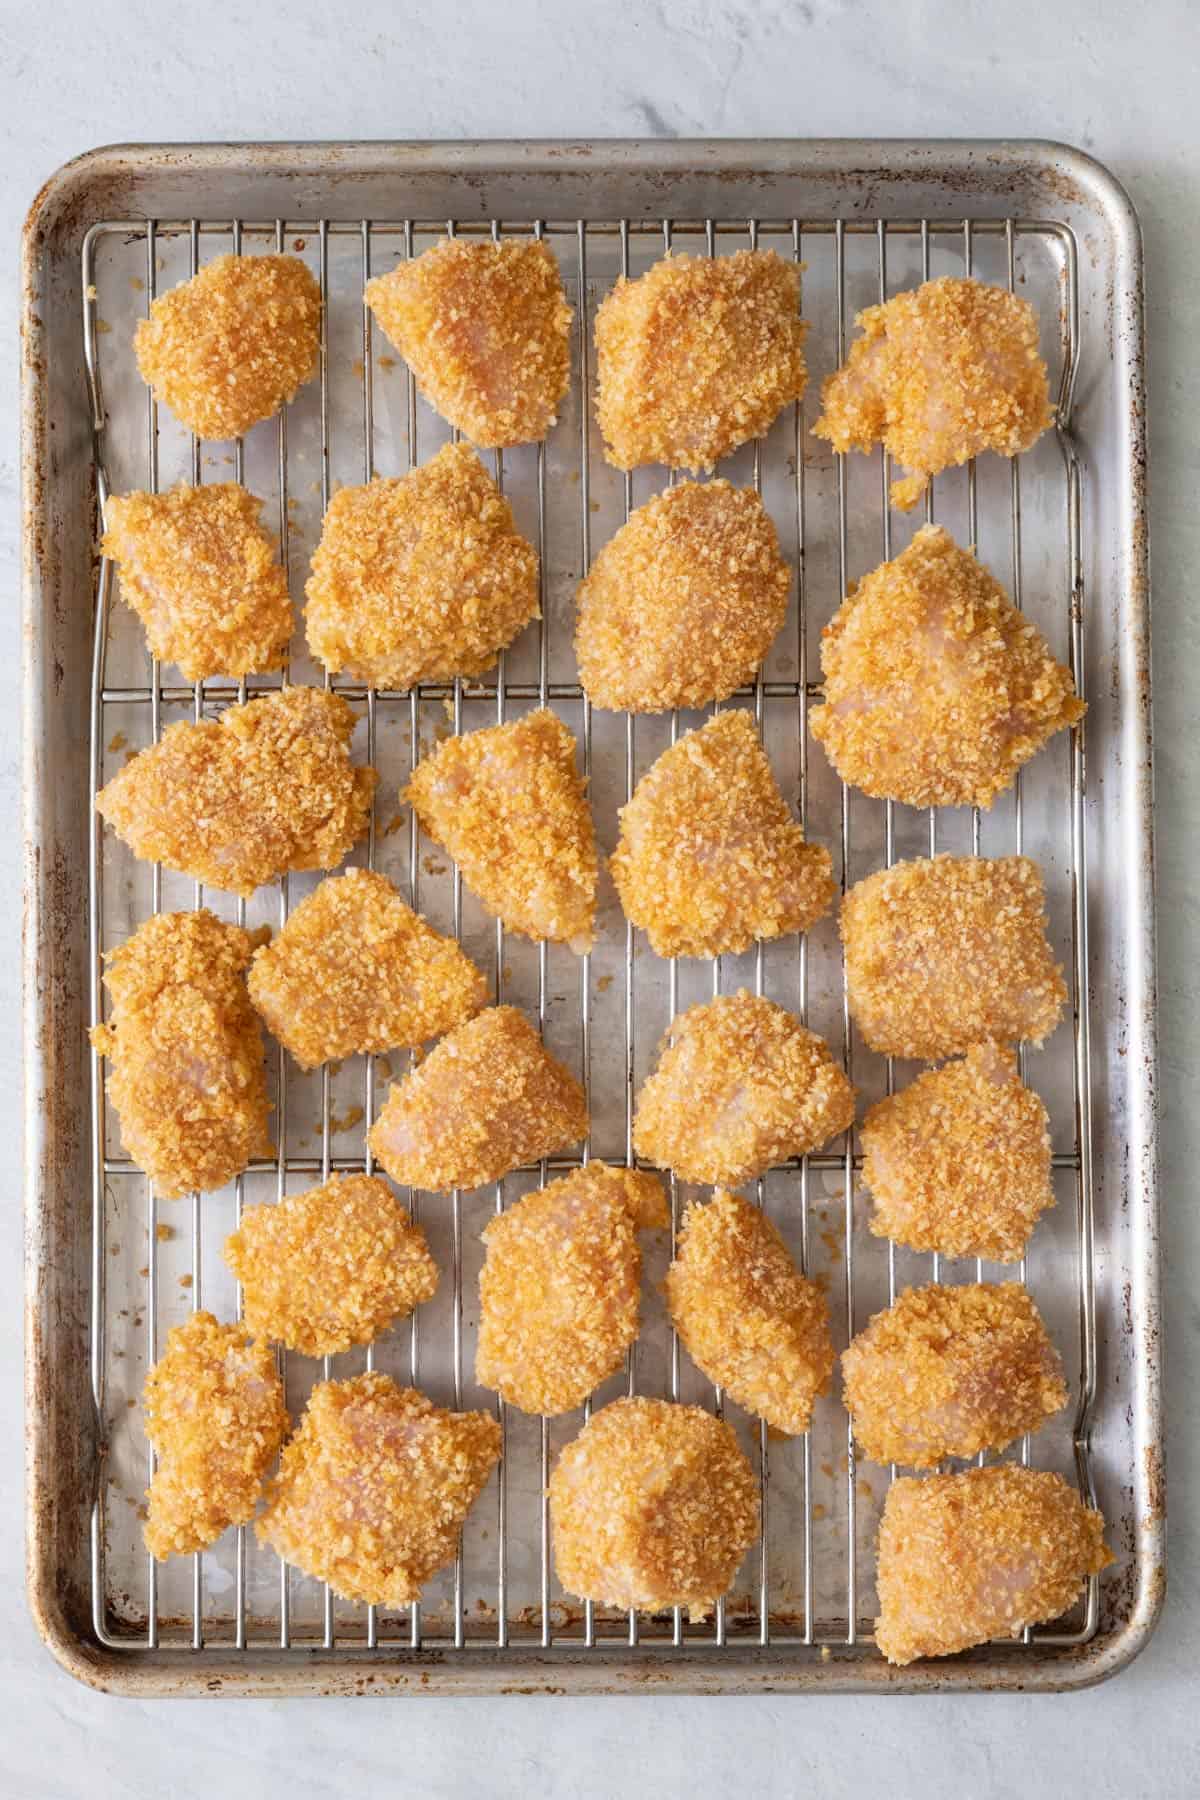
(233,344)
(184,1052)
(559,1293)
(215,1414)
(682,605)
(486,329)
(374,1487)
(355,970)
(509,805)
(950,1371)
(200,572)
(709,857)
(233,802)
(948,951)
(747,1317)
(331,1267)
(697,356)
(966,1558)
(420,577)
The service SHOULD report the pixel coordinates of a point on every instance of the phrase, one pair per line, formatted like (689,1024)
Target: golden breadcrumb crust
(559,1292)
(944,952)
(940,373)
(373,1489)
(421,577)
(215,1413)
(709,857)
(682,605)
(185,1053)
(486,330)
(331,1267)
(510,807)
(230,346)
(488,1099)
(950,1371)
(964,1558)
(355,969)
(740,1086)
(697,356)
(652,1506)
(235,801)
(746,1316)
(936,688)
(200,572)
(959,1160)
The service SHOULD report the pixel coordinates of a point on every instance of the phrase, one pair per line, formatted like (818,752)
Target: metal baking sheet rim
(62,1434)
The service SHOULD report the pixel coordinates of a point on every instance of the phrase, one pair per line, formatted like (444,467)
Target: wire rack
(809,1582)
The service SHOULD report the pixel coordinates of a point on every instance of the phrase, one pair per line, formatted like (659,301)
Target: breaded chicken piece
(940,374)
(184,1050)
(486,330)
(421,577)
(509,805)
(746,1316)
(653,1505)
(331,1267)
(559,1292)
(200,572)
(950,1371)
(965,1558)
(959,1161)
(740,1086)
(709,857)
(947,951)
(936,688)
(233,344)
(235,801)
(697,356)
(373,1489)
(355,970)
(215,1413)
(682,605)
(487,1100)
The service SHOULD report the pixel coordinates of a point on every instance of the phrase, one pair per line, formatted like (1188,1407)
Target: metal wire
(217,1621)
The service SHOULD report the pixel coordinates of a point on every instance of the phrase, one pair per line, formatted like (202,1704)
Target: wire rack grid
(602,1012)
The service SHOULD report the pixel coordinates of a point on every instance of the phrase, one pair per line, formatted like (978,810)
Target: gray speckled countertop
(1118,82)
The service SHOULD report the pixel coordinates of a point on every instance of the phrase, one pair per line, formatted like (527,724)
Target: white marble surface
(1118,81)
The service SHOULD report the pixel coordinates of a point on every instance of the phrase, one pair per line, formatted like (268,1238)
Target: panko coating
(200,572)
(966,1558)
(233,344)
(488,1099)
(948,951)
(697,356)
(215,1414)
(486,330)
(936,688)
(682,605)
(709,857)
(420,577)
(356,970)
(740,1086)
(746,1316)
(509,805)
(185,1053)
(236,801)
(373,1489)
(652,1506)
(959,1160)
(332,1267)
(950,1371)
(559,1293)
(941,373)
